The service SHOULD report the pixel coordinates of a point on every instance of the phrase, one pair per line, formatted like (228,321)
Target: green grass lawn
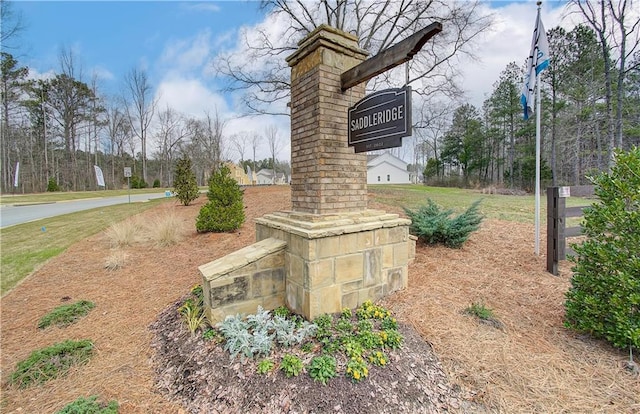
(73,195)
(26,247)
(503,207)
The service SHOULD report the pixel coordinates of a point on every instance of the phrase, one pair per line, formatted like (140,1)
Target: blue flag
(537,62)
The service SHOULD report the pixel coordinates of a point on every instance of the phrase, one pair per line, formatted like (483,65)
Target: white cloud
(203,7)
(187,54)
(103,73)
(189,96)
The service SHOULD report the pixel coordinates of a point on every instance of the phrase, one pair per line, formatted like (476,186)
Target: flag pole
(537,191)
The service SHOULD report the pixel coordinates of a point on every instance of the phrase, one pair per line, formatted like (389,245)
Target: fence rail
(557,214)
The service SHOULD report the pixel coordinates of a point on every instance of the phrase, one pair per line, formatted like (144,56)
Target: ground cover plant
(90,405)
(604,298)
(344,344)
(65,315)
(51,362)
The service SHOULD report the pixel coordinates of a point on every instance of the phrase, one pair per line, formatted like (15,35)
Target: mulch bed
(531,364)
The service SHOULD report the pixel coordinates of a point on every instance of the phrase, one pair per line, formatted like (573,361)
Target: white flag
(15,178)
(537,62)
(99,176)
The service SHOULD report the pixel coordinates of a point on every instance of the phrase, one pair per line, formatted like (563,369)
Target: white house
(266,176)
(387,169)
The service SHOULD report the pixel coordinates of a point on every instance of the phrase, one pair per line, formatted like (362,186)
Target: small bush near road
(90,405)
(225,209)
(184,182)
(433,225)
(51,362)
(604,298)
(65,315)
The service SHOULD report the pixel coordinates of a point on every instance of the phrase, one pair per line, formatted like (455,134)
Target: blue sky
(174,41)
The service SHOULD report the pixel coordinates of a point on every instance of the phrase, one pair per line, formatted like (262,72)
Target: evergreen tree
(184,181)
(225,209)
(604,298)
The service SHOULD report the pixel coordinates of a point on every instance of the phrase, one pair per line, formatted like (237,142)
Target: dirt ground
(531,364)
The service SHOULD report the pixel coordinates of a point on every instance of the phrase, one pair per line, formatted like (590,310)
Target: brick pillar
(327,177)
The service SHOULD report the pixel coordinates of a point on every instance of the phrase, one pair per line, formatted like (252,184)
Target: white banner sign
(99,176)
(15,178)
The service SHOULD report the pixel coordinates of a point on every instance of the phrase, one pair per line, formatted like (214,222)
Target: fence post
(555,229)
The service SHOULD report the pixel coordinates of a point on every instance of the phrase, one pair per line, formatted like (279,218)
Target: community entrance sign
(380,120)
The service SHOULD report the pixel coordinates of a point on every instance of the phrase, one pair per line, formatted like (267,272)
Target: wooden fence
(557,214)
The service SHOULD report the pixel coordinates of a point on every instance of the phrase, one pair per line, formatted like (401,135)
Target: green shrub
(322,368)
(184,182)
(291,365)
(52,185)
(49,363)
(264,366)
(604,298)
(156,183)
(137,182)
(65,315)
(433,225)
(225,209)
(480,311)
(90,405)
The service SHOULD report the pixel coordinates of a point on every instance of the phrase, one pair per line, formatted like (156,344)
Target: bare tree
(118,131)
(618,30)
(275,145)
(11,26)
(140,109)
(206,147)
(378,25)
(171,132)
(240,141)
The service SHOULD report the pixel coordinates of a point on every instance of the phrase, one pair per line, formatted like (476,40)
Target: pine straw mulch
(532,364)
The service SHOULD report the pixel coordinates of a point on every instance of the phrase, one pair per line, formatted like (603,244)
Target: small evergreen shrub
(137,182)
(90,405)
(604,298)
(156,183)
(52,185)
(65,315)
(225,209)
(184,182)
(433,225)
(49,363)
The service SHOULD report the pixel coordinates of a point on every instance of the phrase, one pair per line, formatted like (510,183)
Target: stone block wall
(340,262)
(241,281)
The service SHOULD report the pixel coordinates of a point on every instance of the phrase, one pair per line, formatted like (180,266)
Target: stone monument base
(339,260)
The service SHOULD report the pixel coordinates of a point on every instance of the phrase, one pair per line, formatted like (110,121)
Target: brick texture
(327,177)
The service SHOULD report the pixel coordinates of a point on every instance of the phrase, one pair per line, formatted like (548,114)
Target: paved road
(16,214)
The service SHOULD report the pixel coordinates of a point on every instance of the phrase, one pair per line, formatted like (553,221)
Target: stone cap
(241,258)
(315,226)
(329,37)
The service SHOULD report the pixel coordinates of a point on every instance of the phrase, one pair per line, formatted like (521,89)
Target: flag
(15,178)
(99,176)
(537,62)
(249,175)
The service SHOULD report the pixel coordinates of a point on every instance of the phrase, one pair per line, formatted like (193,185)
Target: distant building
(238,174)
(387,169)
(266,176)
